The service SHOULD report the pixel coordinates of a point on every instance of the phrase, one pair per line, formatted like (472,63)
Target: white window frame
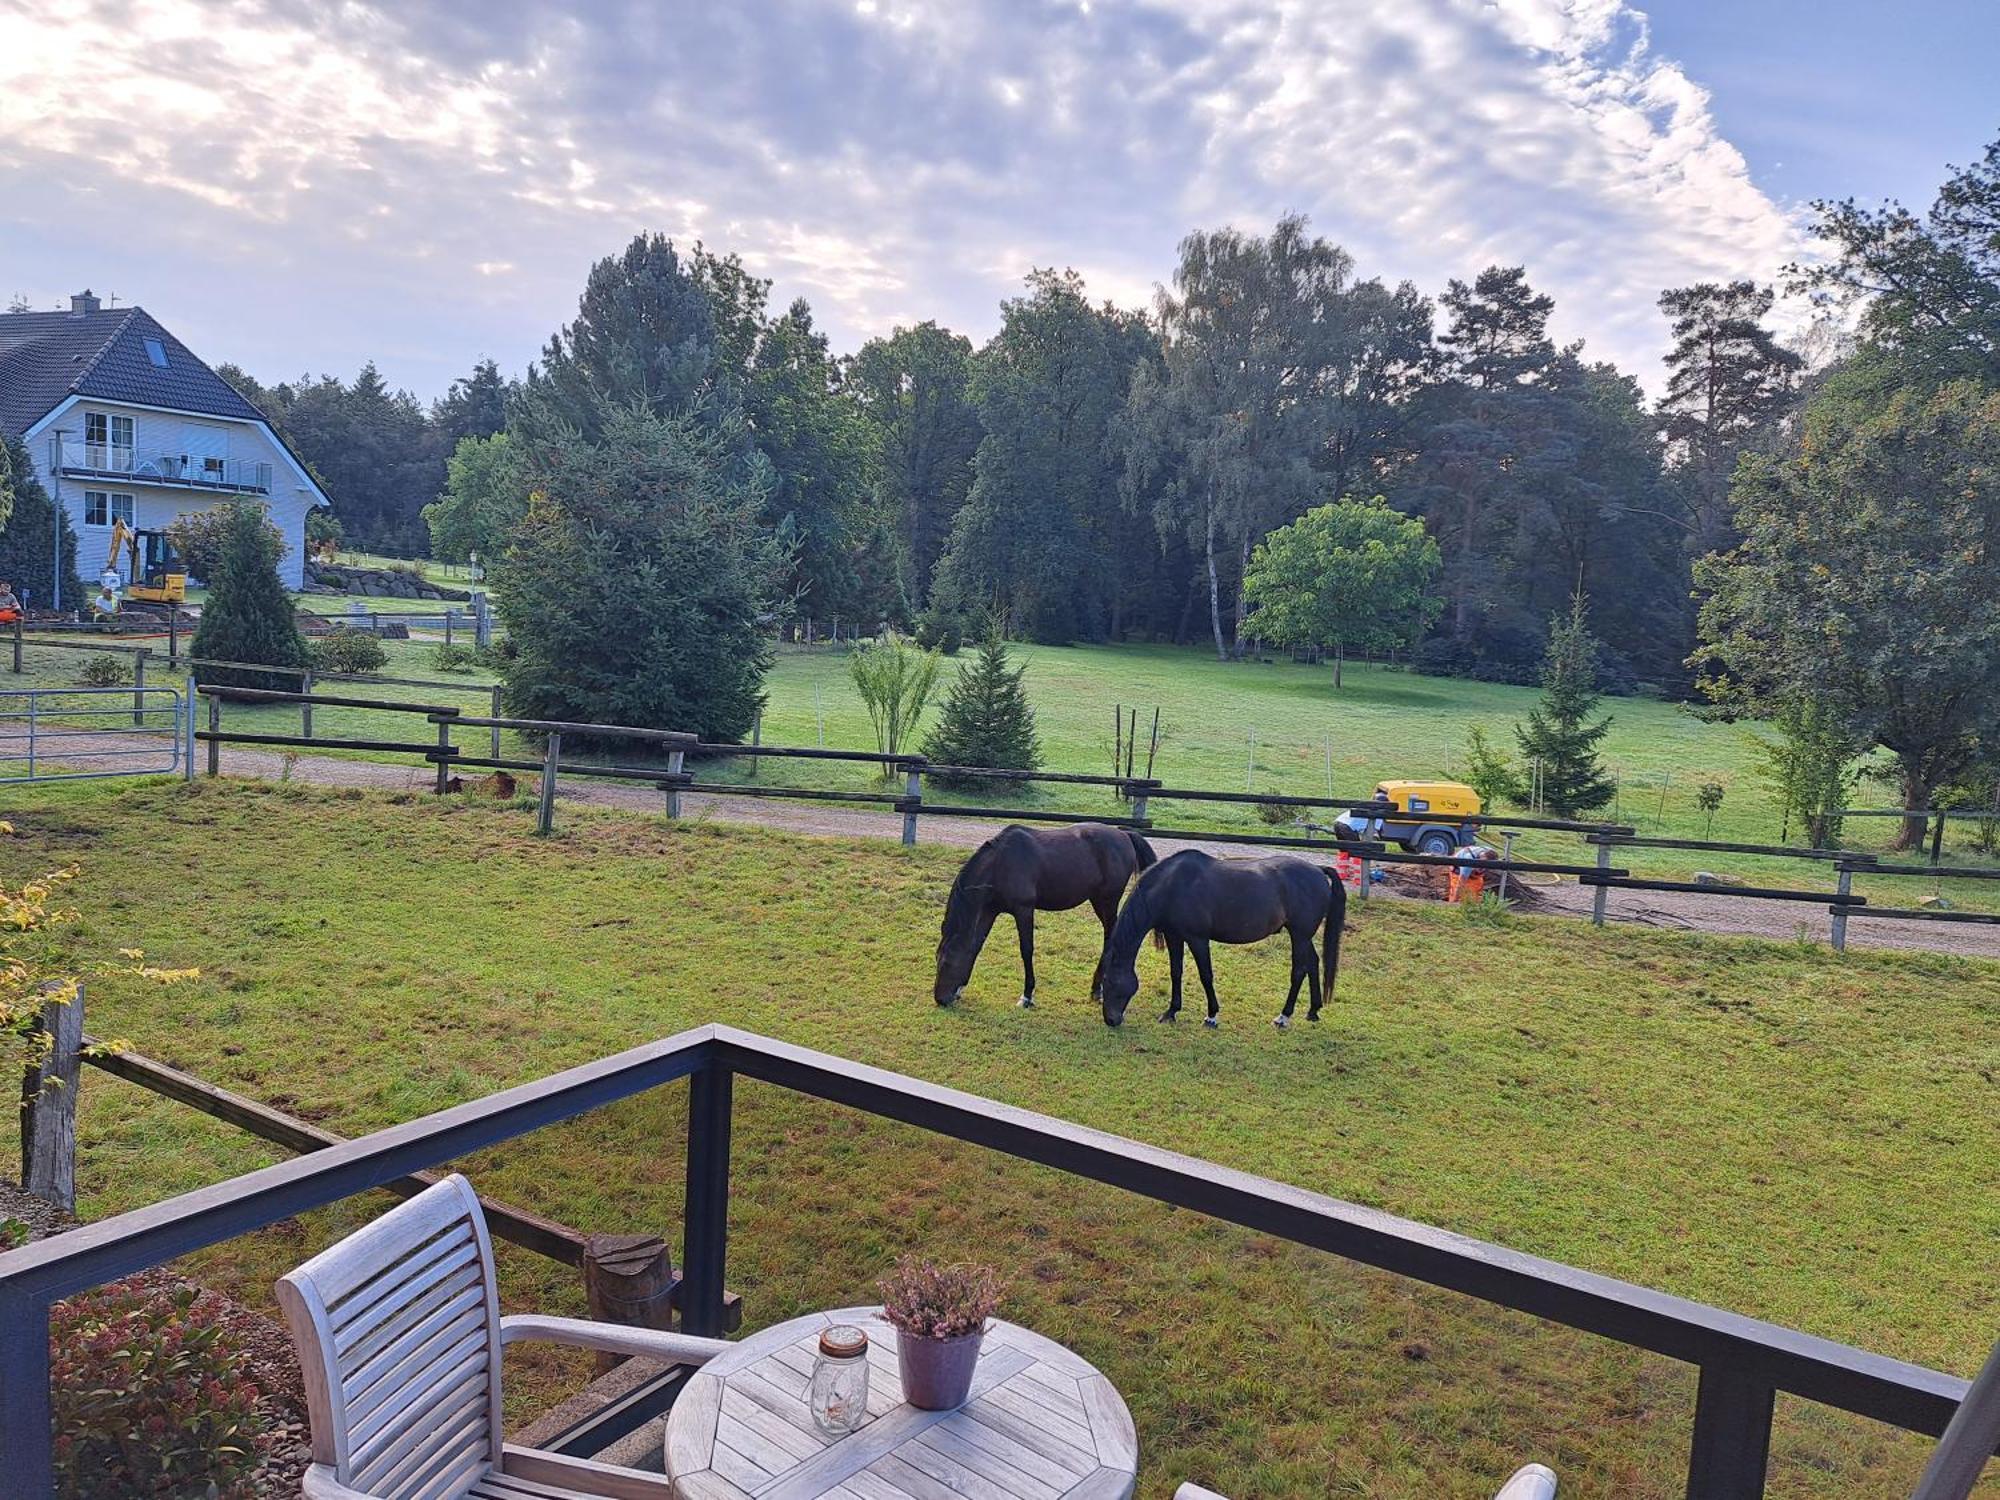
(124,508)
(109,506)
(114,442)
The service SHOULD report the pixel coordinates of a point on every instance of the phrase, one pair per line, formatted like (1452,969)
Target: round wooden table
(1041,1424)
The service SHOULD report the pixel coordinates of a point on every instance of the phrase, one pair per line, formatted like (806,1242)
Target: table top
(1041,1424)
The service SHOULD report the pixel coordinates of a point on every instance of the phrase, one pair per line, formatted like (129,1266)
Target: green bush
(103,671)
(150,1397)
(248,617)
(453,657)
(348,652)
(987,719)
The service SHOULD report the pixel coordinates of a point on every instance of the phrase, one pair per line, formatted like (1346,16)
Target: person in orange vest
(10,607)
(1467,881)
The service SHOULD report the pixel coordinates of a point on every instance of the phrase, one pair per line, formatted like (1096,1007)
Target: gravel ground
(1687,911)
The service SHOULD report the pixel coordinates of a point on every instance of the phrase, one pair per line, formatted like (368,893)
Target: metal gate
(85,734)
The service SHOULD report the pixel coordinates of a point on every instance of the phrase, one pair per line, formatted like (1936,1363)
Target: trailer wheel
(1434,841)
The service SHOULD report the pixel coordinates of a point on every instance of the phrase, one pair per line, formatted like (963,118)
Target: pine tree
(248,616)
(987,719)
(28,534)
(1559,733)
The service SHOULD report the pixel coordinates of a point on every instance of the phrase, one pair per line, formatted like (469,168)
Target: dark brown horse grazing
(1190,899)
(1020,871)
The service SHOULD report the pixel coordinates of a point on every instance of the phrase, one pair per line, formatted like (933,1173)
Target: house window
(156,352)
(107,441)
(101,508)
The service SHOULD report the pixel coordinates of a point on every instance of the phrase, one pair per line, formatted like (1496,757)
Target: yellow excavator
(157,573)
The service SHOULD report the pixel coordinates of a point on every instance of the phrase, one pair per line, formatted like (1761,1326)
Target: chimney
(83,302)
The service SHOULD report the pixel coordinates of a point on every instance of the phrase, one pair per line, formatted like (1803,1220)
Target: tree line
(1102,473)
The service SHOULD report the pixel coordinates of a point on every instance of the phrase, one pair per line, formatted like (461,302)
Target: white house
(122,421)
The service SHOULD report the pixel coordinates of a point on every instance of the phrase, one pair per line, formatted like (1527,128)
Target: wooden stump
(48,1107)
(629,1279)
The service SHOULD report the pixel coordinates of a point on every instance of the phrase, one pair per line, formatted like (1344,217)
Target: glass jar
(839,1394)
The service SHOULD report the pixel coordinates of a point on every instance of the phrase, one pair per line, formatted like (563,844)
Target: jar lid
(843,1341)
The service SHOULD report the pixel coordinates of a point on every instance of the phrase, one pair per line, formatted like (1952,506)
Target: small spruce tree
(248,616)
(1559,732)
(986,719)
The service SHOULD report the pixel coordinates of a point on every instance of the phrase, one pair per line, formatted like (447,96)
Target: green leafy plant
(1276,814)
(102,671)
(928,1301)
(1490,771)
(895,680)
(453,657)
(150,1397)
(13,1234)
(349,652)
(1708,797)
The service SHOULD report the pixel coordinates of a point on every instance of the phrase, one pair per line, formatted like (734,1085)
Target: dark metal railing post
(1732,1437)
(26,1417)
(705,1252)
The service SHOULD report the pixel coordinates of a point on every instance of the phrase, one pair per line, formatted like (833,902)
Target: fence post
(1937,840)
(1506,855)
(139,685)
(34,700)
(19,624)
(913,788)
(551,758)
(1840,909)
(306,709)
(26,1419)
(188,701)
(756,739)
(214,729)
(173,632)
(48,1105)
(1732,1437)
(496,727)
(447,625)
(705,1251)
(1361,890)
(1602,893)
(1139,805)
(676,763)
(443,756)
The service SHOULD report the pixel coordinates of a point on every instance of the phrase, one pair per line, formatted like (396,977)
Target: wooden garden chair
(1530,1483)
(399,1333)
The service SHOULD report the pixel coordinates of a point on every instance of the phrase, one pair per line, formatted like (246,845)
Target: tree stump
(629,1279)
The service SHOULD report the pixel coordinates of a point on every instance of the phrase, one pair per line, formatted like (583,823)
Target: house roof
(47,357)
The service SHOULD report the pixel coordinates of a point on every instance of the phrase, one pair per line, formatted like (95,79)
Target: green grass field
(1785,1133)
(1258,727)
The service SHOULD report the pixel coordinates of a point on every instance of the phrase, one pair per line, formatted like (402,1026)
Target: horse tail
(1336,922)
(1142,851)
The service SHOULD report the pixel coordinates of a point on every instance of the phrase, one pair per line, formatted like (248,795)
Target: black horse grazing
(1021,871)
(1190,899)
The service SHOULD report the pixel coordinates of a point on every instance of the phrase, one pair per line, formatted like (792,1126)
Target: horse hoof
(1026,1002)
(1211,1023)
(1168,1019)
(1313,1016)
(1281,1022)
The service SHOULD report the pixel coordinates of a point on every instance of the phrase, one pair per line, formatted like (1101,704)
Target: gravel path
(1684,910)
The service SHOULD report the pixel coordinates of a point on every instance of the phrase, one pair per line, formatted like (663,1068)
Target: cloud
(297,186)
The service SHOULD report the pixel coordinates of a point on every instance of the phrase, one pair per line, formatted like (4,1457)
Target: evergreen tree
(248,616)
(633,586)
(28,534)
(986,719)
(1559,733)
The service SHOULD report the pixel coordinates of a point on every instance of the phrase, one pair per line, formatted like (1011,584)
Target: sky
(298,186)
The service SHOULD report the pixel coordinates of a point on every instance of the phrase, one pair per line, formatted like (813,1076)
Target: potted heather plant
(939,1314)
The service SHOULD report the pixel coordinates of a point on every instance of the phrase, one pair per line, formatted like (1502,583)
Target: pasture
(1764,1126)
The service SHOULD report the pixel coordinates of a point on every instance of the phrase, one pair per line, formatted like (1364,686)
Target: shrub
(13,1234)
(248,617)
(454,658)
(150,1398)
(930,1301)
(102,671)
(1490,771)
(895,680)
(1276,814)
(349,652)
(941,629)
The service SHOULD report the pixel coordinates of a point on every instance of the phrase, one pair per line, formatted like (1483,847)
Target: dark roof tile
(46,357)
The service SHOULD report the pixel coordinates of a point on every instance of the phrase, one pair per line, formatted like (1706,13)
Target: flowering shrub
(930,1301)
(149,1397)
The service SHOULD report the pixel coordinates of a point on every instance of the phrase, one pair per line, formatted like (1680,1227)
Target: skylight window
(156,352)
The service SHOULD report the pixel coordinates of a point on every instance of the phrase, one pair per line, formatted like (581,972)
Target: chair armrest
(611,1338)
(1531,1482)
(318,1483)
(1193,1491)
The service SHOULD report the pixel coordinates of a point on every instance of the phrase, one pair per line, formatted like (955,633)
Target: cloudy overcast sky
(298,186)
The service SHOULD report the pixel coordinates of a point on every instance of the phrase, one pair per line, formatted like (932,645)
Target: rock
(1935,903)
(1709,877)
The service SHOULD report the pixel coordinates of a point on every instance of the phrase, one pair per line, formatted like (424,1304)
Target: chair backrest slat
(398,1328)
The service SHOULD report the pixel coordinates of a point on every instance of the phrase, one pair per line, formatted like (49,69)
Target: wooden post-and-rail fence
(628,1278)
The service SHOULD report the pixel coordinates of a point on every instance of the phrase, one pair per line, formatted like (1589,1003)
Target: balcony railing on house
(1742,1363)
(195,471)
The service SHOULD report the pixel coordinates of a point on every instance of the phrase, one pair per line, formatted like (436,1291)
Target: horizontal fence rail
(1743,1362)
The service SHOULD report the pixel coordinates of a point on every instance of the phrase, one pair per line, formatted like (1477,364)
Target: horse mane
(959,907)
(1135,917)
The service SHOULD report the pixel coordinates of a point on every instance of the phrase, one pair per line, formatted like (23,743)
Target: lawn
(1260,727)
(1787,1133)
